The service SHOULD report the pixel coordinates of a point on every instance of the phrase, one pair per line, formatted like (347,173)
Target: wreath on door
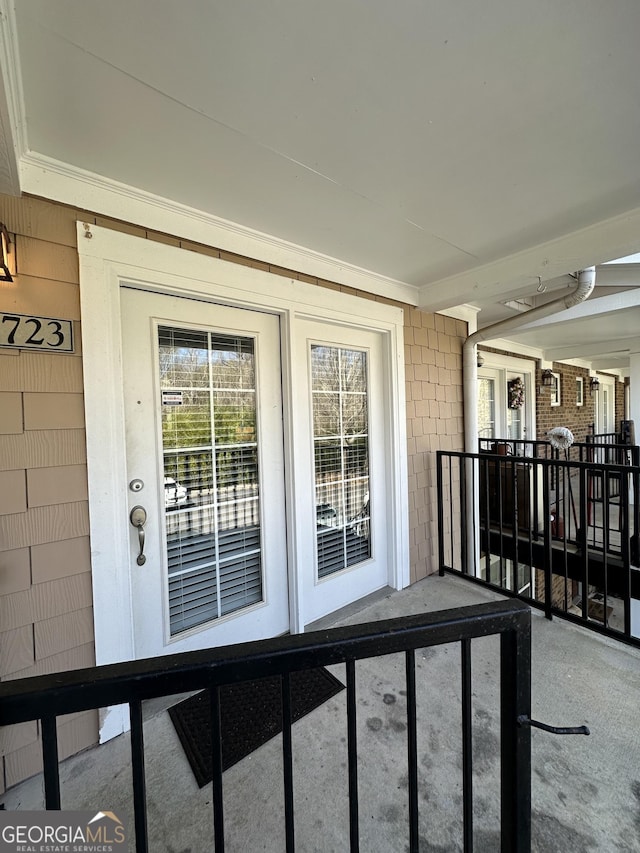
(515,388)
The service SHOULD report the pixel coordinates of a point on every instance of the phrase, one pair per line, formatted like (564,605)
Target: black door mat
(250,715)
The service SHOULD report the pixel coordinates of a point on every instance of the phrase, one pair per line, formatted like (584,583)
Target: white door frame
(608,383)
(109,259)
(507,364)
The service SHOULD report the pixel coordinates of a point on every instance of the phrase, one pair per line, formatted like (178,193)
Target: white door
(341,374)
(490,403)
(204,435)
(605,421)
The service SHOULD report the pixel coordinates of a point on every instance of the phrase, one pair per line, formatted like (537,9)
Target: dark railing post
(464,545)
(287,762)
(439,464)
(515,740)
(467,748)
(216,760)
(548,575)
(626,550)
(412,749)
(352,749)
(50,761)
(138,777)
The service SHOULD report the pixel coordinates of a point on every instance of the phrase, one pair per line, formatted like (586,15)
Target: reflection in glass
(341,457)
(211,478)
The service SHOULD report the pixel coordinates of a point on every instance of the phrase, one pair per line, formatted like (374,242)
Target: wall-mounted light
(594,384)
(5,242)
(480,360)
(546,380)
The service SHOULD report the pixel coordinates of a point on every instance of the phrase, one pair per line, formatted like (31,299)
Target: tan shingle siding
(61,633)
(44,600)
(41,259)
(15,572)
(16,650)
(55,560)
(53,411)
(41,448)
(13,492)
(11,413)
(44,524)
(61,484)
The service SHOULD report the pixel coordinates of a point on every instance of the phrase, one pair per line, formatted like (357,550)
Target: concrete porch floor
(585,790)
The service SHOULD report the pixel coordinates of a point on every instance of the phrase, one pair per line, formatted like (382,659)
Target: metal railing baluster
(467,748)
(138,777)
(352,750)
(287,762)
(50,762)
(412,750)
(216,757)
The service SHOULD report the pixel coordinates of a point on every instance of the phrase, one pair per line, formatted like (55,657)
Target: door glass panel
(486,408)
(339,385)
(515,416)
(211,482)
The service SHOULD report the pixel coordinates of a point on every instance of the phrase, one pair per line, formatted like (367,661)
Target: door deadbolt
(136,485)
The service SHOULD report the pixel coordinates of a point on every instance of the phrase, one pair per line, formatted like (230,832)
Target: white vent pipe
(584,288)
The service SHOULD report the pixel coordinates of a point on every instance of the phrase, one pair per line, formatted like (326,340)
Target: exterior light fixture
(594,385)
(547,378)
(5,275)
(480,361)
(547,381)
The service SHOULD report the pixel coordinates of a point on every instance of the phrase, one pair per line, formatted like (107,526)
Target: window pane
(211,478)
(486,408)
(341,457)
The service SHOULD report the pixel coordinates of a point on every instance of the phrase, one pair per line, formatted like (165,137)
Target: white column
(634,391)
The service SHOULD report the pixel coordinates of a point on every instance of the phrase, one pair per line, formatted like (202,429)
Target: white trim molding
(58,181)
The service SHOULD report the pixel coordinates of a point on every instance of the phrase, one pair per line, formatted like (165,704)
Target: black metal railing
(562,535)
(48,697)
(601,449)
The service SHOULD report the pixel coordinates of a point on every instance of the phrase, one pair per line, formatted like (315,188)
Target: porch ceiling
(458,151)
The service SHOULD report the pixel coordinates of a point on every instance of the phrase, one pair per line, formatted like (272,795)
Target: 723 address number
(45,333)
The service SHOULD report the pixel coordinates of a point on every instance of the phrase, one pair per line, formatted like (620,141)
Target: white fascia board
(595,244)
(591,308)
(514,347)
(467,313)
(586,349)
(61,182)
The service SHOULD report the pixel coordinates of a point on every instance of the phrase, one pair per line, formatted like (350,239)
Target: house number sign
(43,333)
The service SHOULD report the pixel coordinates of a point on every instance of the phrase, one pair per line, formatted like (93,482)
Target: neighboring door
(490,403)
(605,420)
(516,406)
(342,375)
(505,410)
(204,435)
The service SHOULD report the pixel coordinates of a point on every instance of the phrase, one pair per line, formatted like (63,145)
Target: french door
(205,473)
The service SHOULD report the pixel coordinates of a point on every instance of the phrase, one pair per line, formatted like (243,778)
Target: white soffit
(447,147)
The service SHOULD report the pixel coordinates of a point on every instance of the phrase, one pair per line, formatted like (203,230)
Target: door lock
(138,518)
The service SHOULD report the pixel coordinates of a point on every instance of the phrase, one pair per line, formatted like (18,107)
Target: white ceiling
(463,151)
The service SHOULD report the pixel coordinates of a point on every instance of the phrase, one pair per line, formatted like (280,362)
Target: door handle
(138,518)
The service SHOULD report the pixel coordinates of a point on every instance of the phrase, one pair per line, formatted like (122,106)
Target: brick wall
(620,415)
(46,617)
(579,419)
(576,418)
